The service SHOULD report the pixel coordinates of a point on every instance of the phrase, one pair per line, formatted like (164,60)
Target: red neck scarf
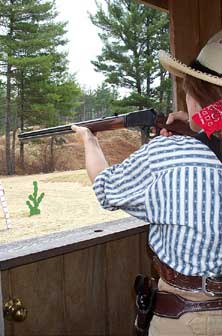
(210,118)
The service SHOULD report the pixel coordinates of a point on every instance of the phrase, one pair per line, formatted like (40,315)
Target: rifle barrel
(142,118)
(131,119)
(95,125)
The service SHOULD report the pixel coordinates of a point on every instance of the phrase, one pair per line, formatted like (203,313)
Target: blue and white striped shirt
(175,184)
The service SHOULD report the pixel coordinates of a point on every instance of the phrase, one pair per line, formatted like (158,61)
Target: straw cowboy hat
(207,66)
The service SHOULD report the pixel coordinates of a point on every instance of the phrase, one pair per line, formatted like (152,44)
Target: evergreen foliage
(98,103)
(132,34)
(34,68)
(36,88)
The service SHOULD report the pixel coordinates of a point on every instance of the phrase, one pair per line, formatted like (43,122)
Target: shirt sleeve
(122,186)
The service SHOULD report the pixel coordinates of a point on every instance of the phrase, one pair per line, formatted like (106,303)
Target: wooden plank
(39,286)
(210,19)
(192,23)
(158,4)
(123,264)
(39,248)
(84,292)
(145,262)
(2,328)
(184,39)
(87,292)
(6,295)
(221,12)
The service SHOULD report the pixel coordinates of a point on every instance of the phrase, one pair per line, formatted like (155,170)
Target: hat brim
(180,69)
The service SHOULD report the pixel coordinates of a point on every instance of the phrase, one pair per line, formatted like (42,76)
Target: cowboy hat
(207,66)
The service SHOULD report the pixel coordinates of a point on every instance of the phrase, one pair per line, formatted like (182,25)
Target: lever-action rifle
(143,118)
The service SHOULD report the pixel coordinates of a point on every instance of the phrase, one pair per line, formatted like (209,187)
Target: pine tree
(131,34)
(97,103)
(28,57)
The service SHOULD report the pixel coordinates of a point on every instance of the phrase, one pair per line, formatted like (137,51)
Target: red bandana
(210,118)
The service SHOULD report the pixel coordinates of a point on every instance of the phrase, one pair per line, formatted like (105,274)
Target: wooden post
(192,23)
(184,40)
(158,4)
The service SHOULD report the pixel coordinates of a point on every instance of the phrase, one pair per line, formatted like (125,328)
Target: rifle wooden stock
(177,127)
(143,119)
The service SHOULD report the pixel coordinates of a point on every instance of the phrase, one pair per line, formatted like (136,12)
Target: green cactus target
(35,199)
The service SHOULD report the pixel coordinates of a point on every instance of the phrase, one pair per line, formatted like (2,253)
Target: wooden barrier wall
(87,291)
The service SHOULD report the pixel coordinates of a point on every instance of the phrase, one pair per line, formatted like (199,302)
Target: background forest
(36,87)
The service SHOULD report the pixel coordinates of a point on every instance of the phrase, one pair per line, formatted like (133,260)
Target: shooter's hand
(83,133)
(180,115)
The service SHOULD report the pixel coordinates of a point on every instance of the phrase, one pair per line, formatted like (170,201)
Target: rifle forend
(143,118)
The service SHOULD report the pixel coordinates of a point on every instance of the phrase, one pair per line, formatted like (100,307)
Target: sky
(84,43)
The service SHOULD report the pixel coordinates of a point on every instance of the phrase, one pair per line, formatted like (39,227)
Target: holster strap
(170,305)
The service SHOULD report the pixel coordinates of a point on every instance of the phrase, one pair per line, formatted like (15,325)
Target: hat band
(196,65)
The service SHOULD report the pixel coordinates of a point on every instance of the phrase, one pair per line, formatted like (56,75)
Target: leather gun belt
(210,285)
(170,305)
